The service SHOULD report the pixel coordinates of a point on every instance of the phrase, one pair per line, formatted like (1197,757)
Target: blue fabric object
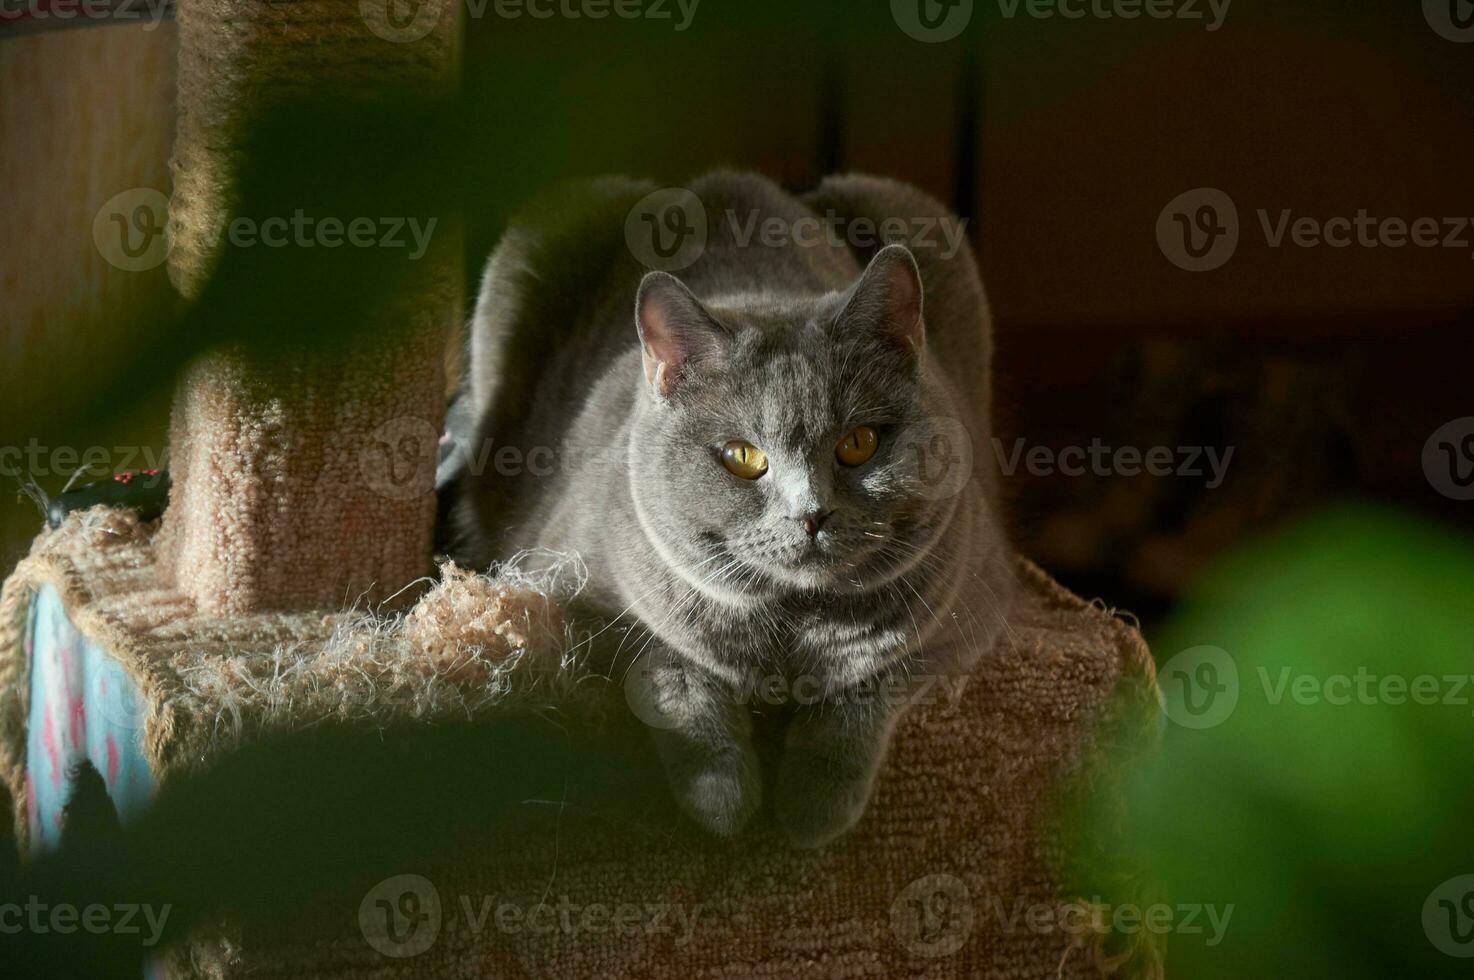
(84,705)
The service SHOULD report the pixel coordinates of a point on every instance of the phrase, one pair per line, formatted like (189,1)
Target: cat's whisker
(936,566)
(684,604)
(662,584)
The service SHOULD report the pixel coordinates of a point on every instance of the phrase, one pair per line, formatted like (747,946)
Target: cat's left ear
(887,299)
(678,337)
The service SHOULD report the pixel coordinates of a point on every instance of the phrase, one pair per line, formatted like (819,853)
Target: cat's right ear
(677,334)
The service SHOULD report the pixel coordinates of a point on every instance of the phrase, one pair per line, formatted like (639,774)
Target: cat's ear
(677,334)
(887,299)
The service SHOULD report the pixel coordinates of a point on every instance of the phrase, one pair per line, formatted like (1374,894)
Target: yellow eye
(858,446)
(744,459)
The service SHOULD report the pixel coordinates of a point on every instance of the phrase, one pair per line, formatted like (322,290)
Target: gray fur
(790,346)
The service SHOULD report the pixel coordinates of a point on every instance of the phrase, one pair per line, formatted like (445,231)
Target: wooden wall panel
(85,113)
(1091,128)
(901,108)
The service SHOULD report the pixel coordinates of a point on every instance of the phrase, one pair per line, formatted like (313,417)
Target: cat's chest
(836,639)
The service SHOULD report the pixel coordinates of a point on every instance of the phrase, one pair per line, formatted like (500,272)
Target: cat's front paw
(722,802)
(721,796)
(815,807)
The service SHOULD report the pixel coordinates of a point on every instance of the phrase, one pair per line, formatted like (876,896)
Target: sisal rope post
(304,480)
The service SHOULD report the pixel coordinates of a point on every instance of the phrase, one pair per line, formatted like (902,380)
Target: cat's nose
(813,521)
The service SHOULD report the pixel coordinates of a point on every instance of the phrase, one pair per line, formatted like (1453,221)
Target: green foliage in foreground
(1329,790)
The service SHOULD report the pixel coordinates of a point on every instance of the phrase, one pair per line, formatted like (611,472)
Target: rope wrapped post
(304,479)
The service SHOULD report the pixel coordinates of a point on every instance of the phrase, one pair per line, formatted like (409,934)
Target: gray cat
(775,467)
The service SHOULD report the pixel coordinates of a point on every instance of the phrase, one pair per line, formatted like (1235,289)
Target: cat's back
(558,263)
(959,329)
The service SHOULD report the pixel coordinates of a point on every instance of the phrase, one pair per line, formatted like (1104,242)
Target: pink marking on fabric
(53,754)
(33,809)
(112,761)
(78,719)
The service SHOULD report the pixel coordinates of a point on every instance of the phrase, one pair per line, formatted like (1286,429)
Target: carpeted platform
(955,870)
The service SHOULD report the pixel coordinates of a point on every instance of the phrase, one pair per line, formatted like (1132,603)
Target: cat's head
(775,446)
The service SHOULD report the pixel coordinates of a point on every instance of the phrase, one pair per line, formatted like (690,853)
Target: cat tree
(272,509)
(227,620)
